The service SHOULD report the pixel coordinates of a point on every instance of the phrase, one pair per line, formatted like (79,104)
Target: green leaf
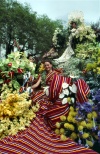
(1,81)
(15,84)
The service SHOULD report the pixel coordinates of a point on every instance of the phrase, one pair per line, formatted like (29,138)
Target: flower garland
(16,111)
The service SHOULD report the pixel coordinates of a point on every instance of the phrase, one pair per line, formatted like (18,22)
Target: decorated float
(24,130)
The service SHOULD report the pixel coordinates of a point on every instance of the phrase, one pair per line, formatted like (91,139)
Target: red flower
(7,81)
(20,71)
(9,64)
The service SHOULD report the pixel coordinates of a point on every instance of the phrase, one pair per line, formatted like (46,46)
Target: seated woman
(49,74)
(51,107)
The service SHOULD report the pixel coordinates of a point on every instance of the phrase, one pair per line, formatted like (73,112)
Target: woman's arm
(37,83)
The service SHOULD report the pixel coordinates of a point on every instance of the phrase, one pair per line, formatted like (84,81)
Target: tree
(45,30)
(19,22)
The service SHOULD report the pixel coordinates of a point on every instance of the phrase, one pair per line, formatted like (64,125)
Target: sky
(60,9)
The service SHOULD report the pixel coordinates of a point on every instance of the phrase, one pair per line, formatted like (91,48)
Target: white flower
(66,92)
(73,100)
(61,95)
(29,90)
(73,88)
(64,101)
(46,90)
(65,85)
(73,30)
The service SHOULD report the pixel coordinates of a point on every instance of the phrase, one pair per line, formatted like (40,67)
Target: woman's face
(48,66)
(73,25)
(31,59)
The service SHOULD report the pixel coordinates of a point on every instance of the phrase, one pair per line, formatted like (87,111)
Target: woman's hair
(73,22)
(47,60)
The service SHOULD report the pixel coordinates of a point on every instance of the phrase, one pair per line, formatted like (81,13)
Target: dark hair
(47,60)
(73,22)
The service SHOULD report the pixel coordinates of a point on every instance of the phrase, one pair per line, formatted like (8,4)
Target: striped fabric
(56,86)
(54,112)
(37,96)
(56,109)
(39,139)
(82,91)
(50,76)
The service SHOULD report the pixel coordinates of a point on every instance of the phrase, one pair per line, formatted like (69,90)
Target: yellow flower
(85,135)
(66,125)
(70,118)
(90,143)
(14,105)
(42,68)
(89,125)
(63,137)
(94,114)
(83,123)
(58,125)
(57,131)
(80,128)
(73,136)
(62,130)
(72,113)
(71,108)
(71,127)
(74,120)
(89,115)
(7,112)
(63,118)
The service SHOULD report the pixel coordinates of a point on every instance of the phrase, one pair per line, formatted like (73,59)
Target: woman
(69,50)
(50,105)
